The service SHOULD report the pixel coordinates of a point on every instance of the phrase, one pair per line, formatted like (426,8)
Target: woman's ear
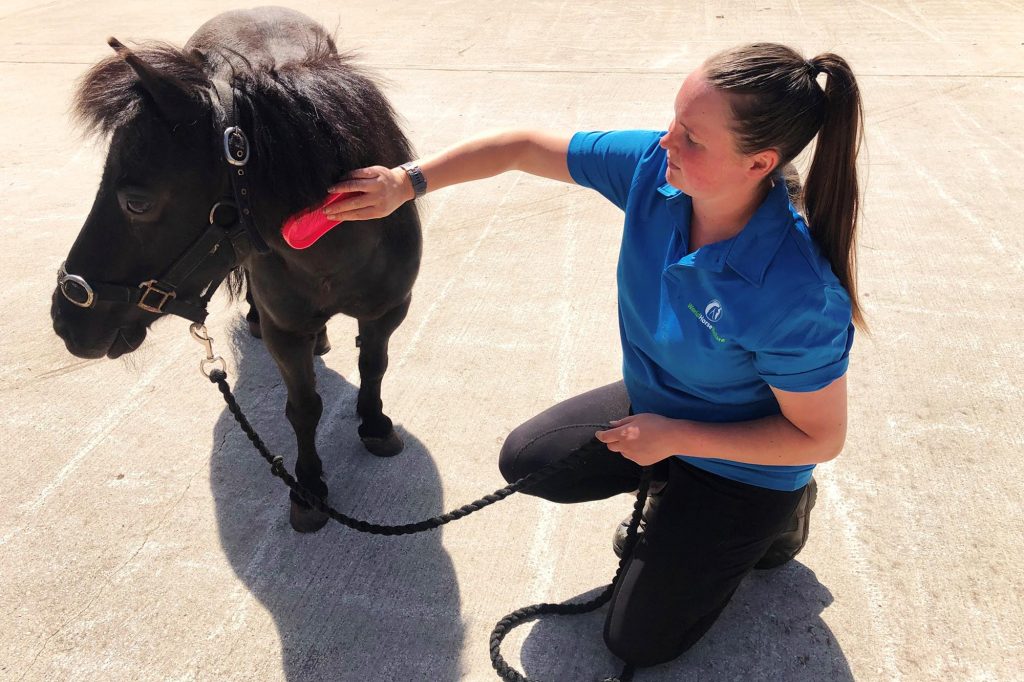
(762,164)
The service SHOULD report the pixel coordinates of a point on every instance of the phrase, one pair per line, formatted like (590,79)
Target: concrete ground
(141,538)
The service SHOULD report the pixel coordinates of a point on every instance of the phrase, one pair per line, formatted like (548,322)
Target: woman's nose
(667,142)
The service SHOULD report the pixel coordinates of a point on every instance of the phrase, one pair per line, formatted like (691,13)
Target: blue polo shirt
(705,334)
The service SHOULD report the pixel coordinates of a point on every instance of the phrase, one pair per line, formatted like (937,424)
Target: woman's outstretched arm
(382,190)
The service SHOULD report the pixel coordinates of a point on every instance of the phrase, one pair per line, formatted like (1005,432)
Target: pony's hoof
(323,344)
(306,519)
(254,328)
(389,446)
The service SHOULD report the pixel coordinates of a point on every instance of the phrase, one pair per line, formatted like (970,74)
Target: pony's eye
(138,206)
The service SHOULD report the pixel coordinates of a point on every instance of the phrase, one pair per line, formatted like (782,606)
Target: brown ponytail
(778,104)
(831,192)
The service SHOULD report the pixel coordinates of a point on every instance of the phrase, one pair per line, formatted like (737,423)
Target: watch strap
(419,183)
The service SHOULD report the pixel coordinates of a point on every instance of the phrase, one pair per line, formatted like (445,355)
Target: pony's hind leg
(293,354)
(375,428)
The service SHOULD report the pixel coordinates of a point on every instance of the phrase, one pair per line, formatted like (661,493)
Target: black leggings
(704,534)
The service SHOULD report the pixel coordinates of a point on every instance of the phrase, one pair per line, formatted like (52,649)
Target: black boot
(791,540)
(653,497)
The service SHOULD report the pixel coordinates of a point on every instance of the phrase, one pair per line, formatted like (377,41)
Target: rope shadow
(347,606)
(771,630)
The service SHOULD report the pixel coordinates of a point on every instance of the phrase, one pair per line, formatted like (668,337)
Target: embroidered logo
(713,311)
(705,318)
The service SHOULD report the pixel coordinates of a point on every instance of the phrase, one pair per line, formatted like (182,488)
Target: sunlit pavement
(142,538)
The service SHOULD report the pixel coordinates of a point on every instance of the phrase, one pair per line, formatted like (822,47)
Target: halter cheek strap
(236,152)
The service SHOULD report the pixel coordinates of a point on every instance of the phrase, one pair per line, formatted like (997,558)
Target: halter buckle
(236,146)
(151,288)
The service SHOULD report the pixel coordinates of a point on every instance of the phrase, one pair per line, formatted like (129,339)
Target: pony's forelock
(310,120)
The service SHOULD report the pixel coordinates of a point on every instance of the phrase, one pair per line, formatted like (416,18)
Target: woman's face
(702,158)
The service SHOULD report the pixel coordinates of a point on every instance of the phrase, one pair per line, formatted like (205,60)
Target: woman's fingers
(358,214)
(351,203)
(361,212)
(378,193)
(343,208)
(358,180)
(353,185)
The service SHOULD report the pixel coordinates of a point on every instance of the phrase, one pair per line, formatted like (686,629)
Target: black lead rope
(516,618)
(506,624)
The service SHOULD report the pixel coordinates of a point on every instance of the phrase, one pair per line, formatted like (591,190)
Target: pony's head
(309,119)
(161,178)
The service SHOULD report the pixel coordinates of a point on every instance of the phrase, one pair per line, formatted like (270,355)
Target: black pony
(251,122)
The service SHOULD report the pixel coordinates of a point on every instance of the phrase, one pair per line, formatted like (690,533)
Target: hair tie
(812,68)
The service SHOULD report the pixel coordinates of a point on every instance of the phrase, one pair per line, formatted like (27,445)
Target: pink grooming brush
(303,229)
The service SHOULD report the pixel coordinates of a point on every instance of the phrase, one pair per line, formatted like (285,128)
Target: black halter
(236,155)
(232,230)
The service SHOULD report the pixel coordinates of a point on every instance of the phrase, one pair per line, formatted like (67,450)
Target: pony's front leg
(252,318)
(375,428)
(293,354)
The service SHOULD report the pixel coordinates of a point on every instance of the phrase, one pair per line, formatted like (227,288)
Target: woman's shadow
(771,630)
(348,606)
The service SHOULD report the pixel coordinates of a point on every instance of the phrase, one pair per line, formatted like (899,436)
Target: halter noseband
(226,234)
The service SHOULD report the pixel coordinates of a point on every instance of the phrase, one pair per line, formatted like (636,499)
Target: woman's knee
(526,451)
(510,460)
(535,444)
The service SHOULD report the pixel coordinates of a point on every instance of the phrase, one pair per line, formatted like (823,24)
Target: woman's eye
(138,206)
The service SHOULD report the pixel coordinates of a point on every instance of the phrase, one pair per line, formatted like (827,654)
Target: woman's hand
(643,438)
(380,191)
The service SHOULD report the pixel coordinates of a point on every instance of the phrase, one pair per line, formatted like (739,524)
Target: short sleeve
(808,347)
(607,161)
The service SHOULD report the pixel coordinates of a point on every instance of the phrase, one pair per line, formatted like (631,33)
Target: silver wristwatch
(419,183)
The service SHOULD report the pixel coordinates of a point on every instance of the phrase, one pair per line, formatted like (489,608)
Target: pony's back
(266,38)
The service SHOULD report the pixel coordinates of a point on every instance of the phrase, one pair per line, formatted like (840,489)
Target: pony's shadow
(348,606)
(771,630)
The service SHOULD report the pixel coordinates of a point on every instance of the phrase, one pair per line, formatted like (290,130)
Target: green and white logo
(713,310)
(712,313)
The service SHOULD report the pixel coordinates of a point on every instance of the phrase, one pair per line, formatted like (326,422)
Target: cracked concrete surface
(142,538)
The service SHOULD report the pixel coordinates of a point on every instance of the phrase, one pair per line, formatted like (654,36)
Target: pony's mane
(310,121)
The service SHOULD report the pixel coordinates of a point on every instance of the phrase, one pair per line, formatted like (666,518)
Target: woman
(735,319)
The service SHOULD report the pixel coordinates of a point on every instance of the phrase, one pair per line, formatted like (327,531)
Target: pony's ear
(169,93)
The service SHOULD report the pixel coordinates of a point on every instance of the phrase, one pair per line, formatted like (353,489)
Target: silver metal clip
(211,361)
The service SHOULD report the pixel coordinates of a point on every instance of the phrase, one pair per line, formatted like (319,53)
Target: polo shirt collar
(751,251)
(754,248)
